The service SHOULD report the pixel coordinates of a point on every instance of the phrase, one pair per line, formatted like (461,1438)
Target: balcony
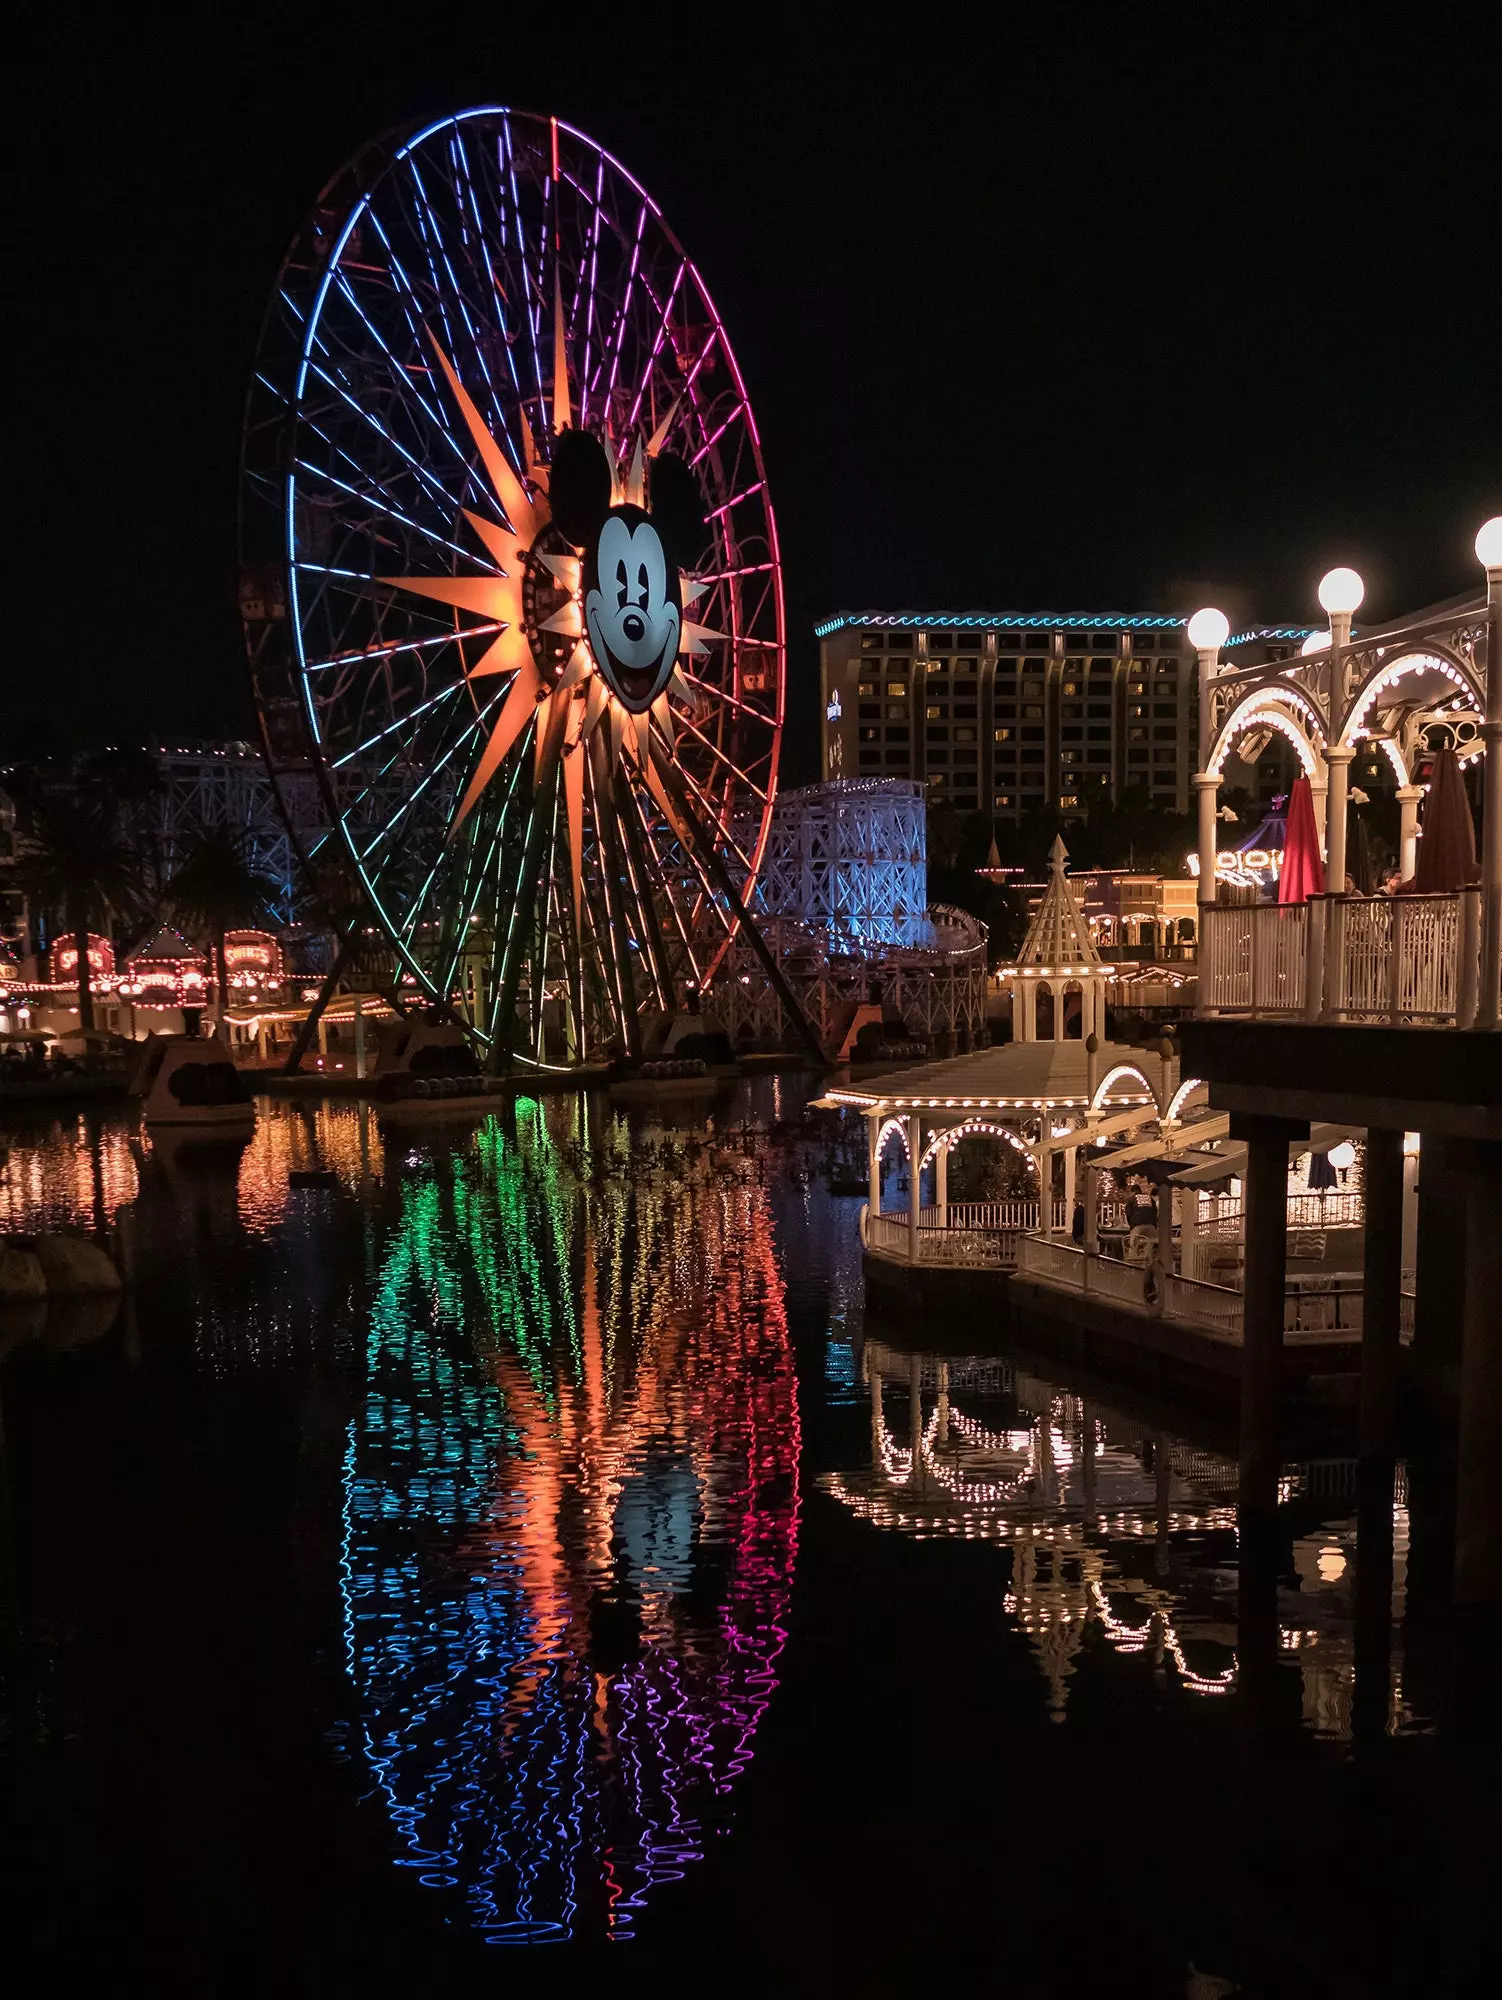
(1406,961)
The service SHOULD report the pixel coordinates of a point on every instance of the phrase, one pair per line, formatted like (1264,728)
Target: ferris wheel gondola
(511,584)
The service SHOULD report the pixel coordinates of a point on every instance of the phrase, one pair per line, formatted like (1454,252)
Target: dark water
(517,1543)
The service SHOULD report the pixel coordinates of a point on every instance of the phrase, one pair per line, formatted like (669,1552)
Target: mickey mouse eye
(622,584)
(642,584)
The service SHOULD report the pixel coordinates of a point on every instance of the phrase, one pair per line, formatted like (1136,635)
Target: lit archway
(1284,709)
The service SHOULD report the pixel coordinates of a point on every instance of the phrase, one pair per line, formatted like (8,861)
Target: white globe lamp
(1317,642)
(1341,592)
(1489,543)
(1209,629)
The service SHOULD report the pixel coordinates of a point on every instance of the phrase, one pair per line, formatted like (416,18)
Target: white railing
(1077,1270)
(956,1242)
(1323,1303)
(1056,1263)
(1199,1304)
(1397,959)
(1344,1209)
(984,1215)
(1252,959)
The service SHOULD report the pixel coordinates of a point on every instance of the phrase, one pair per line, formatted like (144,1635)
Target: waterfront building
(1000,713)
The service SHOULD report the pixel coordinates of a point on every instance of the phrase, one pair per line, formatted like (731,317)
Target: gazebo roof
(1058,936)
(1015,1076)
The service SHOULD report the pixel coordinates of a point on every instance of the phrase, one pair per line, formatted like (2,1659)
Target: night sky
(1086,315)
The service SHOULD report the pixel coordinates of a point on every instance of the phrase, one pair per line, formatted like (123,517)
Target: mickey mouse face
(632,607)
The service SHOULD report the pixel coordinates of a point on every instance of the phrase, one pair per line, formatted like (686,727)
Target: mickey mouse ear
(677,508)
(579,486)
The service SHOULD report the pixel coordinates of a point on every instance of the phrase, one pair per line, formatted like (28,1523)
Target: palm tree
(215,889)
(78,870)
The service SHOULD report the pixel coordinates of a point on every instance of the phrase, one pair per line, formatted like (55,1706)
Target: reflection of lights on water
(1060,1538)
(571,1511)
(81,1173)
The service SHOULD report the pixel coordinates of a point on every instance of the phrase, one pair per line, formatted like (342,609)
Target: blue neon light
(1010,621)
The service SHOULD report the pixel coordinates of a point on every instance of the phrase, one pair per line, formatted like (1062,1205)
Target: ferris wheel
(511,585)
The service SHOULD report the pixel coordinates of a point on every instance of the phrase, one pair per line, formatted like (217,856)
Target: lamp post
(1208,631)
(1489,1000)
(1340,592)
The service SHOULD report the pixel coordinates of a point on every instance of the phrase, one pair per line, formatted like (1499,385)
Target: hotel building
(1001,713)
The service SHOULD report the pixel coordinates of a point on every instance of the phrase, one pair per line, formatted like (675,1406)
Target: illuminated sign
(65,958)
(834,711)
(1249,868)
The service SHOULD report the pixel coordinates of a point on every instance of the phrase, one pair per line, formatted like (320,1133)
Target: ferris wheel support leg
(720,874)
(615,915)
(524,909)
(309,1027)
(641,878)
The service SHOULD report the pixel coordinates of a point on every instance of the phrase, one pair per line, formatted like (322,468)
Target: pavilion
(1059,1086)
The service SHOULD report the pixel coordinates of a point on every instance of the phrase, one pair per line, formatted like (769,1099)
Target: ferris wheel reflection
(571,1513)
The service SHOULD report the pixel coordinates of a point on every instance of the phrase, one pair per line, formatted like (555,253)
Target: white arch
(1392,671)
(1111,1076)
(941,1142)
(899,1126)
(1176,1102)
(1259,709)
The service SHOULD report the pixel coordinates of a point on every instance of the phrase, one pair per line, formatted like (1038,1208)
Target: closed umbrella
(1303,871)
(1447,848)
(1363,867)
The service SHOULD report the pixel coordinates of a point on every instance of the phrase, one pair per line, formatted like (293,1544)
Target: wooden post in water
(1478,1501)
(1382,1277)
(1267,1141)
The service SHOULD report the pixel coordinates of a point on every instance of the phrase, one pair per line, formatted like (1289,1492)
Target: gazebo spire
(1058,935)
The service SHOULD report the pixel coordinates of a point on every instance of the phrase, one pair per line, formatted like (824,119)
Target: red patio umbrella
(1447,849)
(1303,872)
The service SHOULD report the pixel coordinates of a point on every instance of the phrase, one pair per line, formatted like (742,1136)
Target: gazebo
(1047,1097)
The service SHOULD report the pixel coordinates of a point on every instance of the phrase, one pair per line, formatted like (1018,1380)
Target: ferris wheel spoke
(729,700)
(367,417)
(383,507)
(410,799)
(719,755)
(663,870)
(399,374)
(509,157)
(404,721)
(386,649)
(618,331)
(590,324)
(456,291)
(717,434)
(418,230)
(660,337)
(495,298)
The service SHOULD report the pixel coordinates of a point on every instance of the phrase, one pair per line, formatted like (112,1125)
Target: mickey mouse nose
(634,627)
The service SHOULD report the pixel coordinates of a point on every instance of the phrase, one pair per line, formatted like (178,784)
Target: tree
(79,871)
(215,889)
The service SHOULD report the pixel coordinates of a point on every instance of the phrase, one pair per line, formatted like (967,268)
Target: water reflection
(74,1171)
(570,1515)
(1122,1538)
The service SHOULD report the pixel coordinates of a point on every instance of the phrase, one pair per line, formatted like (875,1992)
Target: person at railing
(1077,1223)
(1141,1209)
